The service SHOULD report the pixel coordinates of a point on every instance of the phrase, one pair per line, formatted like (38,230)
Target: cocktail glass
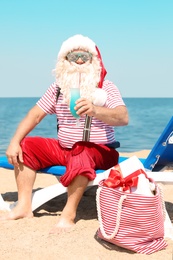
(74,95)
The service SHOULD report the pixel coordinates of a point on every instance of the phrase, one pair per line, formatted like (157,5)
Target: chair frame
(45,194)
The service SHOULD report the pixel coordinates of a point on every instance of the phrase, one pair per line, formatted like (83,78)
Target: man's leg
(75,193)
(82,161)
(25,178)
(38,153)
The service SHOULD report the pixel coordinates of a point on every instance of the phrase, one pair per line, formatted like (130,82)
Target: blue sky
(135,38)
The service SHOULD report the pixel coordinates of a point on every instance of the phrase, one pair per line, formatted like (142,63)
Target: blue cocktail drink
(74,95)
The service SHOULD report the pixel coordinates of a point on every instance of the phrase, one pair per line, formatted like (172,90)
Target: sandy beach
(30,239)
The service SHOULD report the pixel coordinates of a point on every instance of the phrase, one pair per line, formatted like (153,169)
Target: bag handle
(162,201)
(120,202)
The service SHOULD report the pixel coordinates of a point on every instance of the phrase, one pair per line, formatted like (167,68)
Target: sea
(147,119)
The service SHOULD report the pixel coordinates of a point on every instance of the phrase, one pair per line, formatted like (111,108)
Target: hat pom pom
(99,97)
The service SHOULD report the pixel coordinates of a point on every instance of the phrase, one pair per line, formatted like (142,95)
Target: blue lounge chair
(162,153)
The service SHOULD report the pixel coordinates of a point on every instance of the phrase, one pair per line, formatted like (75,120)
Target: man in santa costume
(82,147)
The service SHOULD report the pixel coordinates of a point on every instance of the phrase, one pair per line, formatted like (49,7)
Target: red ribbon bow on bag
(115,179)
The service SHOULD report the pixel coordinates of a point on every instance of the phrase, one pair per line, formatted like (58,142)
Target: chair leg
(4,205)
(43,195)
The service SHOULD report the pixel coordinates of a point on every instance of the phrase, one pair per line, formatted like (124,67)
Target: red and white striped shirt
(69,133)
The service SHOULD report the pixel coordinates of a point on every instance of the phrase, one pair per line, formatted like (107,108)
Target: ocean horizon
(147,119)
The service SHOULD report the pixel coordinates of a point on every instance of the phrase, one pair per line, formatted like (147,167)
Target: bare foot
(17,213)
(63,226)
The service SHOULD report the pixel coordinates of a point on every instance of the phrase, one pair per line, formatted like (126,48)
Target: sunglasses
(74,56)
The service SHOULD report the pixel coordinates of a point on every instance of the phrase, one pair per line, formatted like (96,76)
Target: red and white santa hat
(82,42)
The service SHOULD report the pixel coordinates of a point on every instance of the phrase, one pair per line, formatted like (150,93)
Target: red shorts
(82,159)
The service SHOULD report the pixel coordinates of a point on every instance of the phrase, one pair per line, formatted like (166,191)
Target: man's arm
(117,116)
(112,116)
(14,152)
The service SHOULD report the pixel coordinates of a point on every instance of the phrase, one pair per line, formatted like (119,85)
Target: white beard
(85,76)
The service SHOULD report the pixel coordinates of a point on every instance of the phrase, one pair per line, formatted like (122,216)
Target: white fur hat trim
(99,97)
(77,42)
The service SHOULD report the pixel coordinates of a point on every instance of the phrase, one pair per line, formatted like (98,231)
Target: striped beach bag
(128,219)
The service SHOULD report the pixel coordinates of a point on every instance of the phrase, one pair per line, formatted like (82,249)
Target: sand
(30,239)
